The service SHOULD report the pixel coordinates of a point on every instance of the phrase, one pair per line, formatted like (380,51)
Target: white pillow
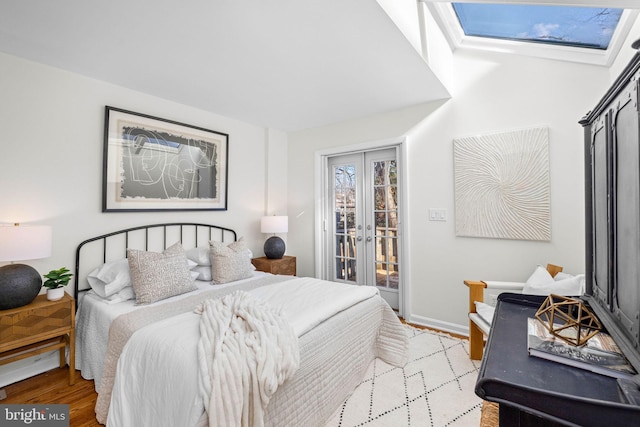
(123,295)
(541,283)
(199,255)
(571,286)
(110,278)
(562,275)
(203,272)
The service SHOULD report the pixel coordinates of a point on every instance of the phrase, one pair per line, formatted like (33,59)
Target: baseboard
(29,367)
(440,325)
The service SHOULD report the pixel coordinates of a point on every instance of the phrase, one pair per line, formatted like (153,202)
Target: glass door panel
(384,180)
(345,193)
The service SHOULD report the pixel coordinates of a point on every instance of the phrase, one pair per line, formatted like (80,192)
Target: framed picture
(502,188)
(154,164)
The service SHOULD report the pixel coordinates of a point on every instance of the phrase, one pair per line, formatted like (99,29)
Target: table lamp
(274,247)
(20,283)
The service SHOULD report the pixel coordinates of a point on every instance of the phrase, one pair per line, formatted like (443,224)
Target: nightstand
(285,265)
(39,327)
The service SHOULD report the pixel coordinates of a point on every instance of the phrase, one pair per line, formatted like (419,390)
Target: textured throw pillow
(230,263)
(110,278)
(157,276)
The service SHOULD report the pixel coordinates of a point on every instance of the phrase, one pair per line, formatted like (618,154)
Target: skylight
(581,32)
(584,27)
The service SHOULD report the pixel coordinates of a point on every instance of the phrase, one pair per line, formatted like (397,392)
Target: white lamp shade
(23,242)
(274,224)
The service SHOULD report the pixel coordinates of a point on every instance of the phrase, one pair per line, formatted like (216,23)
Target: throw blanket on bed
(246,350)
(125,325)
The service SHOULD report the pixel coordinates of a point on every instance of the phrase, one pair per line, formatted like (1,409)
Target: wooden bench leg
(476,342)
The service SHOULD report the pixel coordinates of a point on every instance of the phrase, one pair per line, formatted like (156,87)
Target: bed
(152,358)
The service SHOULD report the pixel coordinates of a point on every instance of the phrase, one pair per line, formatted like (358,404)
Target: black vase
(274,247)
(19,285)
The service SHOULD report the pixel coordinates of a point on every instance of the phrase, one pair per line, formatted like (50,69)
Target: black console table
(536,392)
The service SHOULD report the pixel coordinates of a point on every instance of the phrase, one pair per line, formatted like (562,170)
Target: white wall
(490,92)
(51,161)
(51,135)
(495,92)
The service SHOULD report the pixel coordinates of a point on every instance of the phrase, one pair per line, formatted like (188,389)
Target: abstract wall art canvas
(502,185)
(153,164)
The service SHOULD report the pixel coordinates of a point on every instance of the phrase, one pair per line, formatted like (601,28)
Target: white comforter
(157,373)
(95,316)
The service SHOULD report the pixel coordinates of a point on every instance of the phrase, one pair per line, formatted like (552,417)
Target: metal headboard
(157,237)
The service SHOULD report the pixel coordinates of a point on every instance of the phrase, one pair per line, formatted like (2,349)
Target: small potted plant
(56,279)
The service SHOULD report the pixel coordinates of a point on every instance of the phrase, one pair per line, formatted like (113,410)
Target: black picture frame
(154,164)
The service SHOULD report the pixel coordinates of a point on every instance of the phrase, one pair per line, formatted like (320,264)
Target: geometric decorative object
(274,247)
(568,319)
(502,185)
(20,283)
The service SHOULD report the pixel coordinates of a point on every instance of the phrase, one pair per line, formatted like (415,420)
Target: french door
(362,233)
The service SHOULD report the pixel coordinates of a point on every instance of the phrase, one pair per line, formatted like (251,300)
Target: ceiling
(285,64)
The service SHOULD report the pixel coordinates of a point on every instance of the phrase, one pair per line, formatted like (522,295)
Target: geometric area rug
(435,388)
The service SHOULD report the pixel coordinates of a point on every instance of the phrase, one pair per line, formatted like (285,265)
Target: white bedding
(95,315)
(337,342)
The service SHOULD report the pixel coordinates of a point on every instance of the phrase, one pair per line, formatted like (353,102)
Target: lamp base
(274,247)
(19,285)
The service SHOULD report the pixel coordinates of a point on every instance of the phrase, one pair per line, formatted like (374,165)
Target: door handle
(359,238)
(368,238)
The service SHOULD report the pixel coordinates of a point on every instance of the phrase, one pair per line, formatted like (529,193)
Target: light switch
(437,214)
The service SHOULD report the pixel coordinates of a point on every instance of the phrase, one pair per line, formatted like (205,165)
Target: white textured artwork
(502,185)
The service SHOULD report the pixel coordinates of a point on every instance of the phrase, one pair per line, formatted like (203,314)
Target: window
(586,27)
(578,33)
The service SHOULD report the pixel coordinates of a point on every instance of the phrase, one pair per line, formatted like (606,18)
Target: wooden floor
(53,387)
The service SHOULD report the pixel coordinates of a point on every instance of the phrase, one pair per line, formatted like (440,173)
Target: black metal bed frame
(198,230)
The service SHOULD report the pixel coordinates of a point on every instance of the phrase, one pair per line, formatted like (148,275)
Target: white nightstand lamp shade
(20,283)
(274,247)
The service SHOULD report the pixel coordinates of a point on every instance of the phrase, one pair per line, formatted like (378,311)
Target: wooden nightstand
(39,327)
(285,265)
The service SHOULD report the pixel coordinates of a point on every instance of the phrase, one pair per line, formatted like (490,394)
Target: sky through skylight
(564,25)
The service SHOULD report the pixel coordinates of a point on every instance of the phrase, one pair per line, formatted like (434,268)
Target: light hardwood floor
(53,387)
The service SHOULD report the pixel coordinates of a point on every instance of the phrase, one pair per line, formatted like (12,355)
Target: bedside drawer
(286,265)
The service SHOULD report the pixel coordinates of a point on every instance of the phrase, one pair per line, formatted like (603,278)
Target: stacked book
(600,354)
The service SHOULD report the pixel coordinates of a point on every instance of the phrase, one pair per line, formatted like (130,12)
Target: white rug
(434,389)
